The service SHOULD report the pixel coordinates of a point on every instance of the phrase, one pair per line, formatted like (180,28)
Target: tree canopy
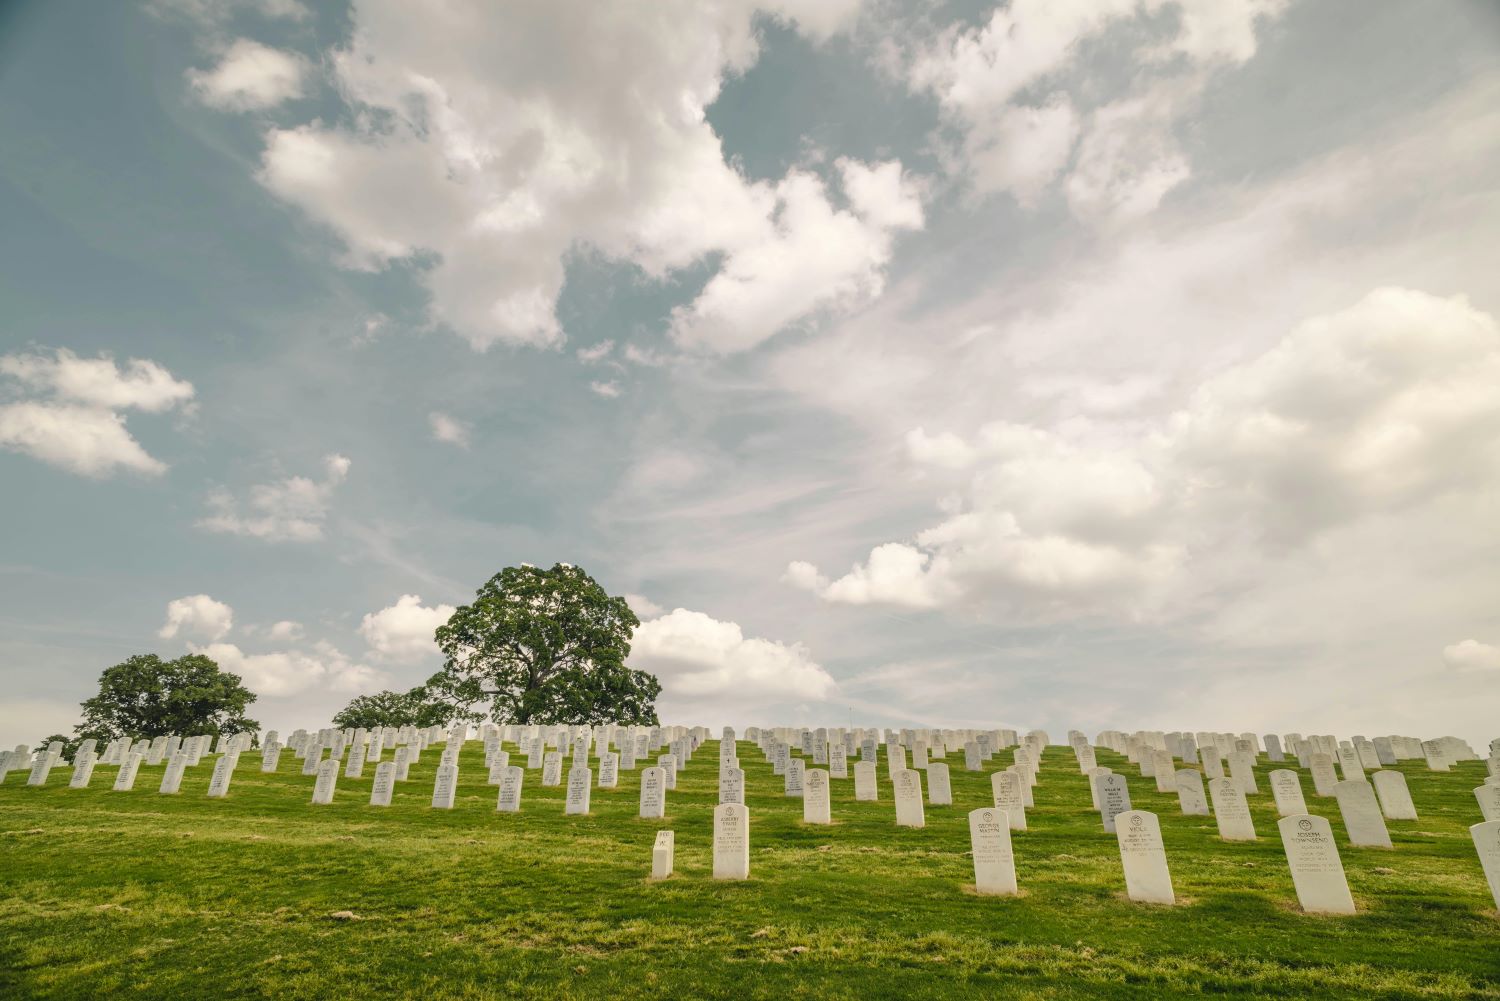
(149,697)
(544,646)
(411,708)
(70,744)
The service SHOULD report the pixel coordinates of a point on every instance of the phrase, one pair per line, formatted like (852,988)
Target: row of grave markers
(1364,802)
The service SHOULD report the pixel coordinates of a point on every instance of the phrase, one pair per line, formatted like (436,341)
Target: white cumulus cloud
(643,606)
(490,148)
(285,631)
(1472,655)
(197,616)
(289,510)
(595,353)
(448,429)
(250,76)
(1373,411)
(294,672)
(69,414)
(810,256)
(985,77)
(699,659)
(403,632)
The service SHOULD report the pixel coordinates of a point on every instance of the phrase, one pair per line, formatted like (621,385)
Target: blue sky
(1125,364)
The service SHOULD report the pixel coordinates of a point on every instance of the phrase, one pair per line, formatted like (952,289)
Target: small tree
(70,744)
(149,697)
(412,708)
(544,646)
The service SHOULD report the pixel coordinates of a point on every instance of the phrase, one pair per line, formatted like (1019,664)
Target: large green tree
(150,697)
(412,708)
(544,646)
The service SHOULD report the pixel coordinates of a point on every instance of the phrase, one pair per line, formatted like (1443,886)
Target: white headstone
(1317,872)
(1395,797)
(384,784)
(1190,797)
(1114,798)
(816,804)
(355,767)
(1164,771)
(41,768)
(994,862)
(270,756)
(1361,813)
(1286,789)
(218,785)
(1385,751)
(1487,843)
(1144,858)
(328,775)
(908,795)
(732,785)
(510,790)
(1489,801)
(895,759)
(1323,776)
(653,792)
(661,854)
(866,787)
(83,769)
(609,769)
(731,841)
(125,779)
(552,769)
(171,777)
(1350,765)
(445,787)
(939,784)
(1093,779)
(580,786)
(1023,774)
(794,776)
(838,762)
(1010,798)
(1231,811)
(1242,770)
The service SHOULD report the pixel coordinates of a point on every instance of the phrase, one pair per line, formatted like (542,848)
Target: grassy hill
(126,895)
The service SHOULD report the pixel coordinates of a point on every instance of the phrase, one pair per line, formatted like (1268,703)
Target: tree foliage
(69,744)
(412,708)
(544,646)
(149,697)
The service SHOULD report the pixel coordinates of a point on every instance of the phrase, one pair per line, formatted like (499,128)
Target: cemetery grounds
(109,894)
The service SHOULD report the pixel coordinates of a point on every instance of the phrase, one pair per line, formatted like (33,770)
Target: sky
(1063,363)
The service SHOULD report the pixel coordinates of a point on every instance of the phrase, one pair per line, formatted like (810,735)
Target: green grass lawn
(124,895)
